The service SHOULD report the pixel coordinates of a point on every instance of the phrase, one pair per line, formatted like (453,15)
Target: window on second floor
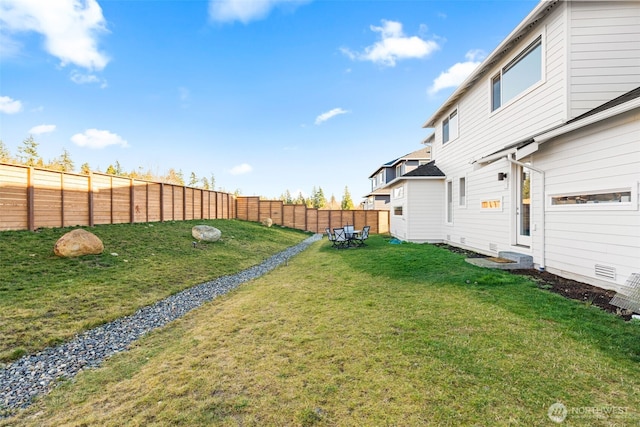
(399,170)
(450,127)
(519,74)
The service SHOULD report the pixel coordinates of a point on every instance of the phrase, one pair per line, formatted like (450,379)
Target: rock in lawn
(267,222)
(77,243)
(206,233)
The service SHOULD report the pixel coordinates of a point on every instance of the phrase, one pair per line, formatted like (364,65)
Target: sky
(263,95)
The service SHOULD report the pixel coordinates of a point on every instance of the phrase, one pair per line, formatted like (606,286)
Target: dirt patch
(568,288)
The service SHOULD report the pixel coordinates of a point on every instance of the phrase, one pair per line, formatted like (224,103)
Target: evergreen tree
(85,169)
(28,153)
(319,201)
(62,163)
(193,180)
(333,203)
(111,170)
(286,198)
(213,182)
(118,169)
(347,203)
(5,155)
(300,199)
(205,183)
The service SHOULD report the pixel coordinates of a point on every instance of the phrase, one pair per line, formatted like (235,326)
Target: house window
(449,205)
(398,192)
(397,210)
(518,75)
(399,170)
(450,127)
(463,191)
(607,197)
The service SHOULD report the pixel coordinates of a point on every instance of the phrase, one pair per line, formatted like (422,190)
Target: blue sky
(265,95)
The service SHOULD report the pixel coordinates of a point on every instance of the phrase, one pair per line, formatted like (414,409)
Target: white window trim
(457,133)
(543,73)
(466,192)
(448,208)
(631,205)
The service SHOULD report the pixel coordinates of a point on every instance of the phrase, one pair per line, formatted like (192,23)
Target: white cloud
(246,10)
(329,114)
(83,79)
(94,138)
(457,72)
(40,129)
(9,106)
(393,45)
(70,28)
(241,169)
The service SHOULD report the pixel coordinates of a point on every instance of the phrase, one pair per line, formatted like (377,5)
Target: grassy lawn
(405,335)
(45,300)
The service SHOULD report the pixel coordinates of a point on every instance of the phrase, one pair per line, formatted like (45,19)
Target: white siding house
(540,148)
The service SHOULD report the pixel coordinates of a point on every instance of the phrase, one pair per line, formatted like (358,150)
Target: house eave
(542,9)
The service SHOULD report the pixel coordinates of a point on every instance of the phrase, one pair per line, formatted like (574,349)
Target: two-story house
(539,148)
(379,196)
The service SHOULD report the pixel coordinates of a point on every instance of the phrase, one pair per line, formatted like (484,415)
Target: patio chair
(342,241)
(359,239)
(331,237)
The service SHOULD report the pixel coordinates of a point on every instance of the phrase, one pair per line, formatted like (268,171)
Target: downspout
(544,213)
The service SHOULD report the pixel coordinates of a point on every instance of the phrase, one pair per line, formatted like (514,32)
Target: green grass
(382,335)
(45,300)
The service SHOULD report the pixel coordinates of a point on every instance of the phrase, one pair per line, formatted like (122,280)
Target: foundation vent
(463,240)
(605,272)
(493,247)
(449,237)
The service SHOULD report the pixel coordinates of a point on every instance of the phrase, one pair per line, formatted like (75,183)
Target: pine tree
(111,170)
(213,182)
(319,201)
(64,162)
(193,180)
(28,153)
(347,203)
(85,169)
(5,155)
(205,183)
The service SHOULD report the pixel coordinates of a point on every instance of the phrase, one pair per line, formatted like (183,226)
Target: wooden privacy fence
(31,198)
(309,219)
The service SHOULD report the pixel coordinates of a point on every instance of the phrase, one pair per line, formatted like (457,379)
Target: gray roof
(428,169)
(631,95)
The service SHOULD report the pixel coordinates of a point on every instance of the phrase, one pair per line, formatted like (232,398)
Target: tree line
(28,155)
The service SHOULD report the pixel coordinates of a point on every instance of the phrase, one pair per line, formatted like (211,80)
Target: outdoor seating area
(348,236)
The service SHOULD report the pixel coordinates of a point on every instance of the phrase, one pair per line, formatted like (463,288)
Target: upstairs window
(450,127)
(521,73)
(399,170)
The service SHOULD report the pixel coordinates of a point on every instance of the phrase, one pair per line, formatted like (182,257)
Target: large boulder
(206,233)
(78,242)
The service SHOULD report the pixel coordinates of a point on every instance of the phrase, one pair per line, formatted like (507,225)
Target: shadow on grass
(430,265)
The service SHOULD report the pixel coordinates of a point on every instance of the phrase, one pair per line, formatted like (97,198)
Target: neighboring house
(379,197)
(540,148)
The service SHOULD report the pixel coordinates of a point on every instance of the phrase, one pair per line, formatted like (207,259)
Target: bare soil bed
(568,288)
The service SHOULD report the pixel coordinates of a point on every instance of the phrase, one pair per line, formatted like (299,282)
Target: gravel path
(36,374)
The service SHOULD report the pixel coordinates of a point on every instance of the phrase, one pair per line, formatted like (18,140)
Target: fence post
(132,212)
(90,201)
(30,200)
(61,199)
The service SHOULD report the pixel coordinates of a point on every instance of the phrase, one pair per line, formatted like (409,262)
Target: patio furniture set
(347,236)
